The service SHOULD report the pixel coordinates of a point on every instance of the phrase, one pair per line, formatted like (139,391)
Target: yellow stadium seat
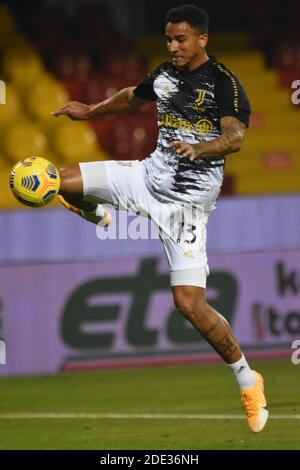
(269,138)
(224,43)
(13,41)
(10,110)
(269,102)
(263,80)
(7,22)
(267,182)
(22,65)
(156,60)
(240,63)
(44,96)
(24,139)
(74,141)
(287,119)
(147,44)
(218,44)
(101,155)
(255,162)
(7,200)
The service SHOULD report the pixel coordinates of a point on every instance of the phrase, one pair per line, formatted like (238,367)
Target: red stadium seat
(129,66)
(287,60)
(287,57)
(130,137)
(74,89)
(72,64)
(101,87)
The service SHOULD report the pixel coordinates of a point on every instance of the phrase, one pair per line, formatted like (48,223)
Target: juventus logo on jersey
(199,101)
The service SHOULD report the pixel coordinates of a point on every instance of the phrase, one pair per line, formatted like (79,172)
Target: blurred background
(69,300)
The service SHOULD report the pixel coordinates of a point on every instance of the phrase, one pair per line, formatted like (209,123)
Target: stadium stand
(47,59)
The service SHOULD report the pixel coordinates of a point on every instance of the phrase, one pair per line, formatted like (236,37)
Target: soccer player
(203,112)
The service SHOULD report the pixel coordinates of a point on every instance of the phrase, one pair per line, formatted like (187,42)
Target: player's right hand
(74,110)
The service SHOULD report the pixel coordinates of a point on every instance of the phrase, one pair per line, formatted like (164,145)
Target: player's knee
(71,180)
(185,307)
(189,303)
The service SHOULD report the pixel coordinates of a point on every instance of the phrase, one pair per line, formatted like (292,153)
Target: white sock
(243,374)
(95,216)
(99,211)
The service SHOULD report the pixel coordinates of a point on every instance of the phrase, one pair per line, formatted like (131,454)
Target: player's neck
(194,64)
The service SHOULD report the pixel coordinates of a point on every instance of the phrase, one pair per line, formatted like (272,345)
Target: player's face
(185,44)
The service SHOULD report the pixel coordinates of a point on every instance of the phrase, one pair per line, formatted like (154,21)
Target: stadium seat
(128,66)
(272,146)
(45,96)
(74,88)
(11,110)
(22,65)
(287,57)
(101,87)
(7,23)
(72,64)
(102,127)
(288,121)
(7,200)
(267,182)
(287,76)
(243,62)
(74,141)
(148,46)
(131,137)
(156,60)
(24,139)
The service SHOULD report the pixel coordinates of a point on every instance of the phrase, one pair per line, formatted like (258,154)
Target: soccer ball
(34,181)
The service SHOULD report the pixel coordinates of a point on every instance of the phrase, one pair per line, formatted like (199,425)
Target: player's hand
(187,150)
(74,110)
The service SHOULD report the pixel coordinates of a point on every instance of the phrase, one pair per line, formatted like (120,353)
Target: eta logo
(296,354)
(2,92)
(2,353)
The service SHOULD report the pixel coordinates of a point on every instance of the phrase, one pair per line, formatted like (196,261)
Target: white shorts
(182,228)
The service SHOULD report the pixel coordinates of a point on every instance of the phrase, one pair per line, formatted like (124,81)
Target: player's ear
(203,40)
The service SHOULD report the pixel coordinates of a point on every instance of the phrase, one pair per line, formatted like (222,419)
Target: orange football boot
(104,220)
(255,404)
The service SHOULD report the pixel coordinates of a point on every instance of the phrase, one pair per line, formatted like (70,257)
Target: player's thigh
(127,186)
(119,183)
(71,180)
(95,183)
(185,246)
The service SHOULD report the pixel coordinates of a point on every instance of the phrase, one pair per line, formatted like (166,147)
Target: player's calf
(71,197)
(71,188)
(191,302)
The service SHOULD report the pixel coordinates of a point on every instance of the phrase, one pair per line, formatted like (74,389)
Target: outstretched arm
(123,101)
(229,142)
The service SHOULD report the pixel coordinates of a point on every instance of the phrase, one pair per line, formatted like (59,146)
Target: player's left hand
(187,150)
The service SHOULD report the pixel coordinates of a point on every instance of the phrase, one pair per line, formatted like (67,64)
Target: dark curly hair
(196,17)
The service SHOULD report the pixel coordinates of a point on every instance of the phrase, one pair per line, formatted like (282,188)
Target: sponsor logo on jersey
(202,127)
